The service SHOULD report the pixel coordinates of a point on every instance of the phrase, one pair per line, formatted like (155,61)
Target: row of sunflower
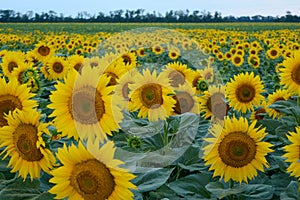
(64,113)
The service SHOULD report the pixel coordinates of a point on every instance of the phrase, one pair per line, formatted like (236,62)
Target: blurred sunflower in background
(178,73)
(244,91)
(213,104)
(186,99)
(235,150)
(23,142)
(43,51)
(91,173)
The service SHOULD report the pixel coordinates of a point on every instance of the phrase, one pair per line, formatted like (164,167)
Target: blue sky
(229,7)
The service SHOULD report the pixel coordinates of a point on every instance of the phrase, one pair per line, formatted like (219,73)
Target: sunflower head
(236,150)
(94,174)
(23,141)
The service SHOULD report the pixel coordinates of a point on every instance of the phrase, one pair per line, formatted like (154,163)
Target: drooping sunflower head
(152,96)
(95,174)
(23,142)
(292,152)
(260,112)
(12,97)
(213,104)
(290,73)
(19,73)
(244,91)
(278,95)
(236,150)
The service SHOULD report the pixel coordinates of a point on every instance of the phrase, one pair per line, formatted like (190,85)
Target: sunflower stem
(231,184)
(165,133)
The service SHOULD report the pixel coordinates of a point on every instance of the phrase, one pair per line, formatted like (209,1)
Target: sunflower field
(143,112)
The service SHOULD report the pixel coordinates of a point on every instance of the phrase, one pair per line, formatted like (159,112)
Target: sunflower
(273,53)
(18,73)
(236,150)
(244,91)
(292,152)
(43,51)
(237,60)
(57,68)
(114,71)
(91,173)
(186,99)
(174,53)
(290,73)
(76,62)
(83,104)
(141,52)
(12,60)
(13,96)
(151,96)
(259,112)
(254,61)
(23,142)
(157,49)
(122,88)
(228,56)
(178,73)
(213,104)
(278,95)
(129,60)
(208,74)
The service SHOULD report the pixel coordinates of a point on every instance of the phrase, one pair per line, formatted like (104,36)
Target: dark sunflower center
(237,60)
(157,49)
(296,74)
(8,103)
(25,138)
(11,66)
(237,149)
(94,64)
(177,78)
(44,50)
(173,55)
(245,93)
(184,102)
(217,105)
(151,95)
(20,77)
(273,53)
(77,66)
(92,180)
(87,105)
(113,78)
(58,67)
(126,59)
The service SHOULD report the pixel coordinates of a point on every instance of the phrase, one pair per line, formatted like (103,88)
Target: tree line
(139,15)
